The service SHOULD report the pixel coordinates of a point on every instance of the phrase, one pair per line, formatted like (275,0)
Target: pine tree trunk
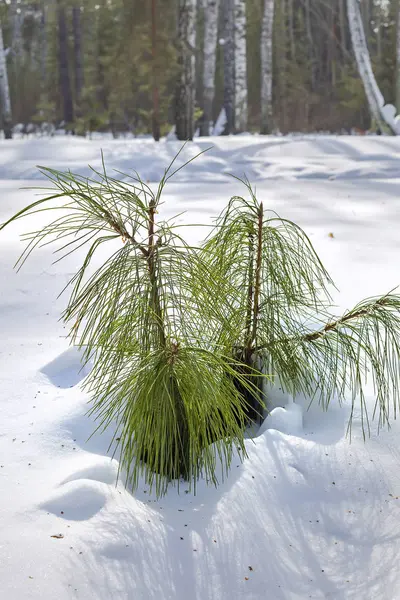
(43,45)
(65,82)
(291,31)
(241,110)
(5,102)
(378,27)
(398,58)
(155,92)
(78,61)
(229,65)
(266,67)
(185,90)
(372,91)
(310,43)
(210,57)
(343,28)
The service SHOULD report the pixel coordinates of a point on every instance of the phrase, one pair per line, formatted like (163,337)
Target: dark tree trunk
(5,101)
(78,61)
(155,91)
(65,82)
(229,65)
(185,89)
(43,45)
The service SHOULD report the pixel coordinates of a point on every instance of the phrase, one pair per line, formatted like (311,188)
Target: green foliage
(282,313)
(92,117)
(46,113)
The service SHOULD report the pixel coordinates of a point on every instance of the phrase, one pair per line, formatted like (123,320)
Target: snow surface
(307,515)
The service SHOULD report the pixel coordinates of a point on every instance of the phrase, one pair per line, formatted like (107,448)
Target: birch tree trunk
(241,110)
(229,64)
(185,89)
(65,81)
(78,61)
(266,67)
(16,29)
(372,91)
(210,57)
(5,102)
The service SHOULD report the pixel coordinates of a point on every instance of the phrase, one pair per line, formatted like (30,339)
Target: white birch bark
(266,66)
(241,110)
(210,56)
(374,96)
(17,20)
(5,102)
(185,92)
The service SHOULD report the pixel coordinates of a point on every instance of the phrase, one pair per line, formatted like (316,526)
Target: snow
(308,514)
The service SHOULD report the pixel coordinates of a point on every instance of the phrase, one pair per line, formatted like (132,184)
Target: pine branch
(352,315)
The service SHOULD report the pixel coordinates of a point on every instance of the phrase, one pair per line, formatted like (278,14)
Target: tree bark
(291,30)
(372,91)
(343,28)
(398,58)
(229,65)
(185,89)
(16,29)
(307,9)
(241,110)
(210,57)
(5,102)
(78,61)
(266,67)
(65,82)
(43,45)
(155,91)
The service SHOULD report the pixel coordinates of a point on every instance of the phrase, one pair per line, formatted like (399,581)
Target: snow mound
(105,472)
(288,420)
(78,501)
(67,370)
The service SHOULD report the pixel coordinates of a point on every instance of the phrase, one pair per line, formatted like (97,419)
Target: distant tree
(398,57)
(229,64)
(155,90)
(209,64)
(78,56)
(16,22)
(5,102)
(185,89)
(241,114)
(266,67)
(65,82)
(372,91)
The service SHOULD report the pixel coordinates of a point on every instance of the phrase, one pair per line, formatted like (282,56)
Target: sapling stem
(152,264)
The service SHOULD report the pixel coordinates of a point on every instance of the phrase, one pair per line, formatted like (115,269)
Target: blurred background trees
(147,66)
